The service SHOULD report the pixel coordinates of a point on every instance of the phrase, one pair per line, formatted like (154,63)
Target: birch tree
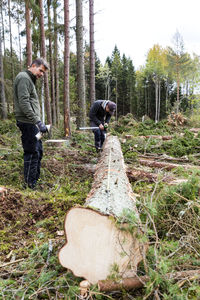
(178,62)
(156,66)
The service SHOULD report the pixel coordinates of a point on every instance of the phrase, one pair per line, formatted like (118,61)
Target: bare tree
(28,33)
(81,118)
(92,53)
(67,129)
(43,51)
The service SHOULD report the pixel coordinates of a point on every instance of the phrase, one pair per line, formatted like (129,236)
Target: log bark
(95,245)
(138,282)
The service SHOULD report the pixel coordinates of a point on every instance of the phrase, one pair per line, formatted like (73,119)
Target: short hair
(40,61)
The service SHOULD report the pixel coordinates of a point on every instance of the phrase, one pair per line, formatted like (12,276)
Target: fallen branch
(11,263)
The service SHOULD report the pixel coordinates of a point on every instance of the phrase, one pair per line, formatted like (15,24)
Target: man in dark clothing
(27,113)
(100,114)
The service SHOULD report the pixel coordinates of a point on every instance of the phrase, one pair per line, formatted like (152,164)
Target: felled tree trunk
(96,247)
(164,165)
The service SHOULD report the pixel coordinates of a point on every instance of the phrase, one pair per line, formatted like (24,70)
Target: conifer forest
(123,223)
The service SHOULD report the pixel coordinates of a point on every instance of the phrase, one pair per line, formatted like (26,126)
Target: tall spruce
(67,130)
(81,115)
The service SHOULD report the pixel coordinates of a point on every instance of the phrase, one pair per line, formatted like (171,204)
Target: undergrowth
(31,227)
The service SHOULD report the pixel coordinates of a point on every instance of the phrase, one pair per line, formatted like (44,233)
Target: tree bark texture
(43,52)
(11,44)
(67,130)
(95,244)
(81,118)
(56,61)
(3,107)
(92,53)
(53,106)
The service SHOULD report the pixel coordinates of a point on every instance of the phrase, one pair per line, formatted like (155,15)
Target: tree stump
(95,246)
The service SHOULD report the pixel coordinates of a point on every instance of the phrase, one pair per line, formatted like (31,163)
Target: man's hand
(42,127)
(101,127)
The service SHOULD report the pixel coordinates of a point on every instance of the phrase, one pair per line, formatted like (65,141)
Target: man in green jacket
(27,113)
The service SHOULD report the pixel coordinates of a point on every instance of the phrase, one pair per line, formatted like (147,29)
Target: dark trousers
(33,152)
(99,136)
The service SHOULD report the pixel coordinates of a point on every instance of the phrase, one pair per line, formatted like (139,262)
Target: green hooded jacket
(26,102)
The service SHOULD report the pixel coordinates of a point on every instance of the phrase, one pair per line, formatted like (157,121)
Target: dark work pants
(99,136)
(33,152)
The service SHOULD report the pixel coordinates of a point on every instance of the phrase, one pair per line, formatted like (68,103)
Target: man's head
(111,107)
(38,67)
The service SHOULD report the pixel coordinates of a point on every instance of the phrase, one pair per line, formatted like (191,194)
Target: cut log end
(95,245)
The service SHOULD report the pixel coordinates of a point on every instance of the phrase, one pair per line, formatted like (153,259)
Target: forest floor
(163,166)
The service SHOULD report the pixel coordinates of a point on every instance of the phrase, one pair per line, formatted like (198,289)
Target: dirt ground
(20,211)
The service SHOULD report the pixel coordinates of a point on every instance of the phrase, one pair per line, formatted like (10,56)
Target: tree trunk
(11,46)
(53,106)
(92,53)
(2,26)
(81,118)
(28,34)
(19,38)
(164,165)
(56,67)
(43,51)
(96,246)
(156,99)
(67,129)
(3,108)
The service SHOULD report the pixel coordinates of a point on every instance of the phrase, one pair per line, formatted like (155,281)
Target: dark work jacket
(27,105)
(97,114)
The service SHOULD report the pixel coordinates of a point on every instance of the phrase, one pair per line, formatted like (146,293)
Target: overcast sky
(136,25)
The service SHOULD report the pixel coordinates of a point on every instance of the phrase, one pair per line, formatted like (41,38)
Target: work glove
(42,127)
(105,126)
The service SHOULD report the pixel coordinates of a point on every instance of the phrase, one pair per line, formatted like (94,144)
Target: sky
(136,25)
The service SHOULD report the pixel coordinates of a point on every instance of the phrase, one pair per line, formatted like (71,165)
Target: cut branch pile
(176,119)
